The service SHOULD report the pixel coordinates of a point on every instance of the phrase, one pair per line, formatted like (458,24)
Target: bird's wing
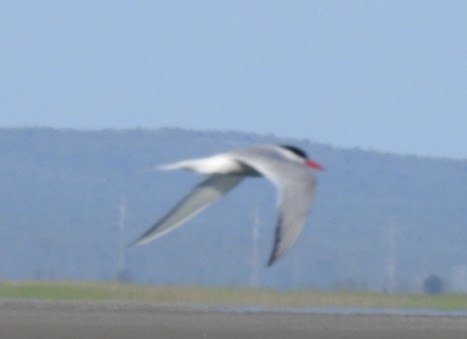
(295,184)
(294,204)
(198,199)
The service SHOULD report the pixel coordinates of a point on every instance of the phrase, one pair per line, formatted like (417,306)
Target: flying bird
(287,167)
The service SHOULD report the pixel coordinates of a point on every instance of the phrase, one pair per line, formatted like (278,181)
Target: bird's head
(300,155)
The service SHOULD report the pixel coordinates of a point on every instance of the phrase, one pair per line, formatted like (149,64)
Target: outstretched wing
(198,199)
(295,184)
(294,204)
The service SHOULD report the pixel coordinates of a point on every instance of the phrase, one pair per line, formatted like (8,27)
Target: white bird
(287,167)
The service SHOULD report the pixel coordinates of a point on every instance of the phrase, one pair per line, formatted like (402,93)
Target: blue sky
(381,75)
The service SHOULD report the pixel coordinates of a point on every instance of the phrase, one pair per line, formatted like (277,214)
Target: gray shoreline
(90,319)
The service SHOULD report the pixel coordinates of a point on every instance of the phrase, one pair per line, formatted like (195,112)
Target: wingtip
(271,260)
(134,243)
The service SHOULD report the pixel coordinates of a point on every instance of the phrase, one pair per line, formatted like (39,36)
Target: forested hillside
(70,199)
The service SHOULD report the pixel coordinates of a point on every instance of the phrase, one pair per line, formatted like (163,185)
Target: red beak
(314,164)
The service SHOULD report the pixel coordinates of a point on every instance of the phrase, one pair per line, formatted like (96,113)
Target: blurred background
(94,94)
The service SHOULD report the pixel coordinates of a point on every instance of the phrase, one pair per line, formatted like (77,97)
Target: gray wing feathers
(294,206)
(295,184)
(198,199)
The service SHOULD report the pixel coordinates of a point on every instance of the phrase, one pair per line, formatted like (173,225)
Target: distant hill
(380,221)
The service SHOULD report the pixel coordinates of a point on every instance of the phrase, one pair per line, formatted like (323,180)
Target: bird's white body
(217,164)
(285,166)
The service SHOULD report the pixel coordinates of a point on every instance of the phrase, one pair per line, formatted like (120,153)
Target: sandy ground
(44,320)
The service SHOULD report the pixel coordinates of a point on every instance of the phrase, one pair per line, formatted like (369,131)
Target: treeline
(380,221)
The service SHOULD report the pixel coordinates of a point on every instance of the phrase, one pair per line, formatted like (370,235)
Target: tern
(287,167)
